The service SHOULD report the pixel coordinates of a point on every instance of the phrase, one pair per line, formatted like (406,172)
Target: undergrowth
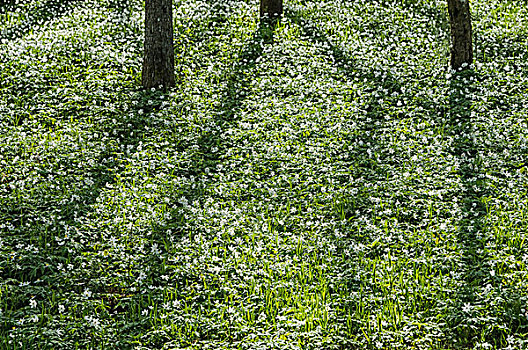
(321,183)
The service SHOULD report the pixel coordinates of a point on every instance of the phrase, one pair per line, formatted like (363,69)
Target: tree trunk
(270,8)
(461,42)
(158,57)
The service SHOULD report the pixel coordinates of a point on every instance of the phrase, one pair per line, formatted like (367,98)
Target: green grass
(324,184)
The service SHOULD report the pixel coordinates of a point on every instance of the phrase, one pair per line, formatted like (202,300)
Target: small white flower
(154,249)
(141,276)
(87,293)
(93,321)
(467,307)
(33,303)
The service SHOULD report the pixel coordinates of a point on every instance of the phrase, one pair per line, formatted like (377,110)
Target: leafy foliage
(320,183)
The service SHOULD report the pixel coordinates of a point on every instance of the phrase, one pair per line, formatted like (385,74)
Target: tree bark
(461,34)
(270,8)
(158,57)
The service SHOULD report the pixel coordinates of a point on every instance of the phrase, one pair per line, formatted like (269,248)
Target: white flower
(154,249)
(93,321)
(87,293)
(467,307)
(141,276)
(33,303)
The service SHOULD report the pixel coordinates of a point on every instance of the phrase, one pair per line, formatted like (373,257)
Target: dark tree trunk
(461,42)
(270,8)
(158,56)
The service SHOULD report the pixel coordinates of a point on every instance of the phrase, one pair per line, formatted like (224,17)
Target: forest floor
(324,183)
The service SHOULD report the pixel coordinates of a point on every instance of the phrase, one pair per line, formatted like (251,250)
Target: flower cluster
(322,183)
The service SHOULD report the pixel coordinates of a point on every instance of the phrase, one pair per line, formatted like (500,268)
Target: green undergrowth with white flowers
(323,182)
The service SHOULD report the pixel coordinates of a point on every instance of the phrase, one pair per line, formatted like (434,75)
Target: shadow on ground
(237,88)
(473,210)
(376,170)
(364,164)
(471,318)
(211,146)
(37,15)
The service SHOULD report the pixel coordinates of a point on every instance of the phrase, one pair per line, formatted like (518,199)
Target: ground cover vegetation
(327,183)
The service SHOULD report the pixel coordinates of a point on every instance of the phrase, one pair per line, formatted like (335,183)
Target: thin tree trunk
(461,41)
(270,8)
(158,57)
